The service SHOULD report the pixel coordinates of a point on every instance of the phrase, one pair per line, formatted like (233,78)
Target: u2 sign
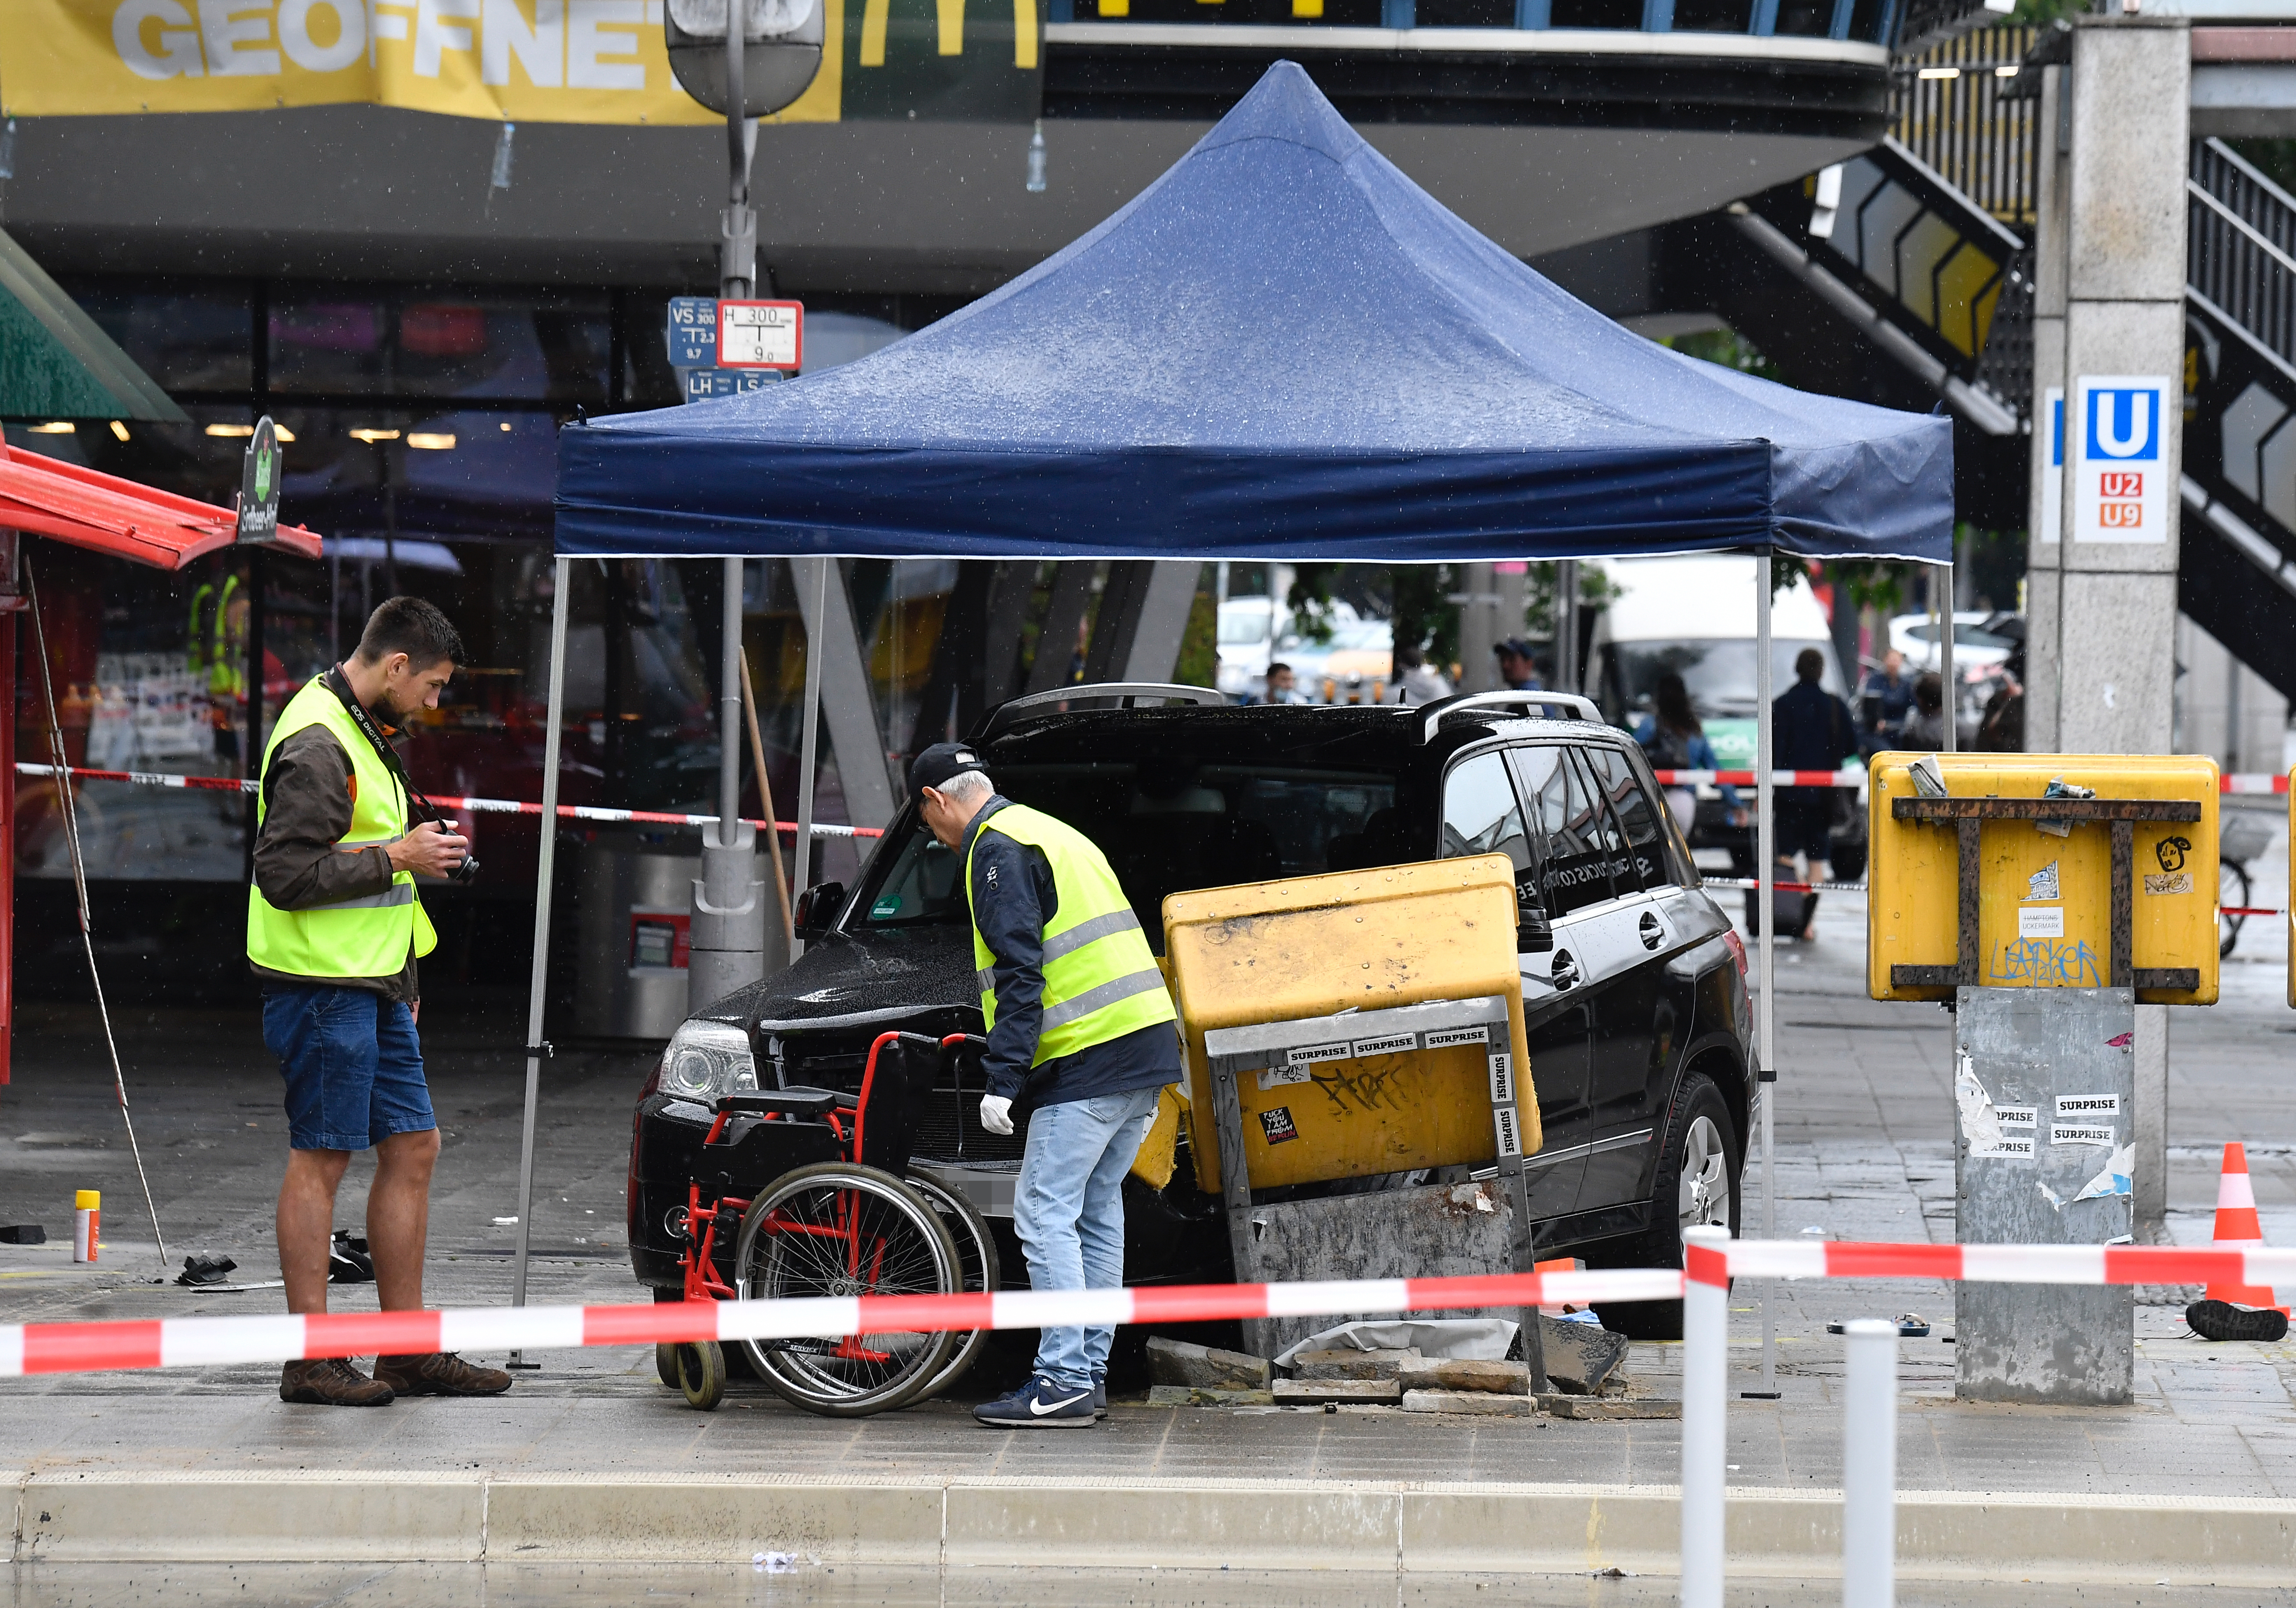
(2120,458)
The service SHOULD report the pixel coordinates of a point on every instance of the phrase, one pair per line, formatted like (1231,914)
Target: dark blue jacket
(1013,898)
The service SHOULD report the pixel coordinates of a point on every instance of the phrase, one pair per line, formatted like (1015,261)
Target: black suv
(1633,986)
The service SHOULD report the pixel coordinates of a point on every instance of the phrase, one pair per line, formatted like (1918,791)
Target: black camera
(467,872)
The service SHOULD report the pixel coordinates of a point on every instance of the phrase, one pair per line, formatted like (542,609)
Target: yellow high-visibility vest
(364,936)
(1101,978)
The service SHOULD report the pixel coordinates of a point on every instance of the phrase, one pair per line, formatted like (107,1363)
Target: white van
(1694,615)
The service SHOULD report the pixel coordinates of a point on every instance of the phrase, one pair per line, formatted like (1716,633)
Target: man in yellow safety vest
(333,930)
(1081,1038)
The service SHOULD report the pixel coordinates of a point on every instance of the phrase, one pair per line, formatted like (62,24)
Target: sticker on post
(2043,921)
(1277,1125)
(2081,1133)
(2114,1180)
(1309,1054)
(1394,1044)
(2025,1117)
(1509,1139)
(1502,1079)
(2087,1105)
(1980,1124)
(1443,1038)
(2043,883)
(1275,1077)
(2178,882)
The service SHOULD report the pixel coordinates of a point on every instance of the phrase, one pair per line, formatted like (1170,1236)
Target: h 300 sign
(2119,458)
(761,334)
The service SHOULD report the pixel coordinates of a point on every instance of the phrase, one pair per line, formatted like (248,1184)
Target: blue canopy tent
(1282,349)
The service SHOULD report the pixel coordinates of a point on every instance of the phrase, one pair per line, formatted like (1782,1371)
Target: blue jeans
(352,1065)
(1069,1212)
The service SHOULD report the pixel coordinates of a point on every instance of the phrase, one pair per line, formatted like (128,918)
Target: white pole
(1869,1465)
(1766,1075)
(1705,1384)
(1945,667)
(539,978)
(808,749)
(729,716)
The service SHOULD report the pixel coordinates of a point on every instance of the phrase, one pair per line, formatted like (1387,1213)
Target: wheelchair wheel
(976,1255)
(834,1229)
(701,1373)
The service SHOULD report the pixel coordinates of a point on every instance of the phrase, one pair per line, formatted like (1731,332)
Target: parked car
(1974,644)
(1639,1036)
(1248,629)
(1695,616)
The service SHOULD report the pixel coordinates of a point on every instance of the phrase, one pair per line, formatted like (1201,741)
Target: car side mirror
(1533,933)
(815,908)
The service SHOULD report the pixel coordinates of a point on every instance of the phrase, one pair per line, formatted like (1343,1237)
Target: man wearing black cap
(1081,1038)
(1517,672)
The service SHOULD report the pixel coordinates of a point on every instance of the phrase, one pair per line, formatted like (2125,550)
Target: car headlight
(707,1059)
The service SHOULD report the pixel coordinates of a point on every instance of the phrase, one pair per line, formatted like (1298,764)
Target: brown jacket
(296,865)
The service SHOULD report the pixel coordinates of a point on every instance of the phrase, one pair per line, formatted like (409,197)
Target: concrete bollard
(1705,1386)
(1869,1465)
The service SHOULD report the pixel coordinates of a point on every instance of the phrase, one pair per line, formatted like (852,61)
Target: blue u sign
(2124,424)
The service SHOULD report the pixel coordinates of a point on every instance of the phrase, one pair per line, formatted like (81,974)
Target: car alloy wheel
(1705,1189)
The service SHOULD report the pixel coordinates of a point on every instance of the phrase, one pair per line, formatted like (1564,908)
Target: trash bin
(634,900)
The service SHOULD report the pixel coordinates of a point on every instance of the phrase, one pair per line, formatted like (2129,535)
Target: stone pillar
(2102,651)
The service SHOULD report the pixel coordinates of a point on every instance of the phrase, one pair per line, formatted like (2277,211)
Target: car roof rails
(1012,712)
(1580,709)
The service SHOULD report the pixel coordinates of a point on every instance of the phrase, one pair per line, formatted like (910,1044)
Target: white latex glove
(997,1114)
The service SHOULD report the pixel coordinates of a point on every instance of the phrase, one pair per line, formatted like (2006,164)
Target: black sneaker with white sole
(2222,1320)
(1100,1396)
(1039,1405)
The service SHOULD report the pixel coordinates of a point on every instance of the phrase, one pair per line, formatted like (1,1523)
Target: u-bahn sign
(516,61)
(2119,440)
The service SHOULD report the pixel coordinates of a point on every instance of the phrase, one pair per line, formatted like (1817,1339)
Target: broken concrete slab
(1194,1395)
(1313,1392)
(1587,1406)
(1180,1362)
(1348,1363)
(1481,1402)
(1581,1356)
(1458,1373)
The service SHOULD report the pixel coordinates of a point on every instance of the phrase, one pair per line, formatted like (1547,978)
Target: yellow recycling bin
(2043,883)
(1349,963)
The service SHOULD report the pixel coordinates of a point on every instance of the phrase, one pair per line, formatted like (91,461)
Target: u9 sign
(2120,458)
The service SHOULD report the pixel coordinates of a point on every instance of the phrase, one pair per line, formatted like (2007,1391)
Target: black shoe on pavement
(439,1374)
(330,1381)
(2221,1320)
(1039,1405)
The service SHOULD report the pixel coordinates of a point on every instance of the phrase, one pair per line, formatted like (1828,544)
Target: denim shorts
(352,1065)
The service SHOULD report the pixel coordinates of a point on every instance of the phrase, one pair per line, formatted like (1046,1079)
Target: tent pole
(1945,665)
(729,719)
(809,750)
(539,978)
(1765,1074)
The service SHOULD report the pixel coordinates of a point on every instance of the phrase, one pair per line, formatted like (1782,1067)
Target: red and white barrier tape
(65,1347)
(173,1342)
(576,812)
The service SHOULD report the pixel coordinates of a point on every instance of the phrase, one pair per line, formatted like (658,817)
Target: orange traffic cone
(2237,1225)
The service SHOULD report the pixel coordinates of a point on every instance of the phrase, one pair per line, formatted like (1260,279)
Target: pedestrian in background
(1812,730)
(334,929)
(1081,1038)
(1675,739)
(1885,698)
(1416,680)
(1925,727)
(1281,686)
(1518,671)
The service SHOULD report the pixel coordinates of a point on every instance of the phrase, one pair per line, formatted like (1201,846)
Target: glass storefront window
(188,338)
(393,342)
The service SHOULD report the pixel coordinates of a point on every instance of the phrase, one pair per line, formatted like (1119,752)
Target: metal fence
(2240,247)
(1952,111)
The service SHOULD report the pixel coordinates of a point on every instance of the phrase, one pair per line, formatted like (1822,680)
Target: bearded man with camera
(334,928)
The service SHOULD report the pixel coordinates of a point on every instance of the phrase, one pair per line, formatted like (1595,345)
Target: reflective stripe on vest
(367,936)
(1101,978)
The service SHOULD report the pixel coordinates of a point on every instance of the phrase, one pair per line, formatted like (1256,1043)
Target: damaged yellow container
(1316,946)
(2043,900)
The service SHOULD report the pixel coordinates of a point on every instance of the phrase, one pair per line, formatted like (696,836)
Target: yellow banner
(512,60)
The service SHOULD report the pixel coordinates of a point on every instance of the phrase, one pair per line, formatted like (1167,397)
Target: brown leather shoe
(330,1381)
(439,1374)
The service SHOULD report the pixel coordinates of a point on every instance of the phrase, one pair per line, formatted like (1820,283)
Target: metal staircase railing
(2241,245)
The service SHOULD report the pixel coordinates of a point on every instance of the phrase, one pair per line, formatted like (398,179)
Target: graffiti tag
(2047,963)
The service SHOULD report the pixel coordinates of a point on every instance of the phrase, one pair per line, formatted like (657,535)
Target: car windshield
(1242,626)
(1167,827)
(1720,674)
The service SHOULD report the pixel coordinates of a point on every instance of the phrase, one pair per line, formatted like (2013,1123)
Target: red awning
(49,497)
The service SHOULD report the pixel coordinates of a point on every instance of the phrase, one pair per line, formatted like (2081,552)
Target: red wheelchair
(806,1193)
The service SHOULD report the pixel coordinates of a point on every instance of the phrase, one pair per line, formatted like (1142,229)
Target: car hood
(847,978)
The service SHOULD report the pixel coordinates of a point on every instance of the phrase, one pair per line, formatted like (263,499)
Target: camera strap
(336,684)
